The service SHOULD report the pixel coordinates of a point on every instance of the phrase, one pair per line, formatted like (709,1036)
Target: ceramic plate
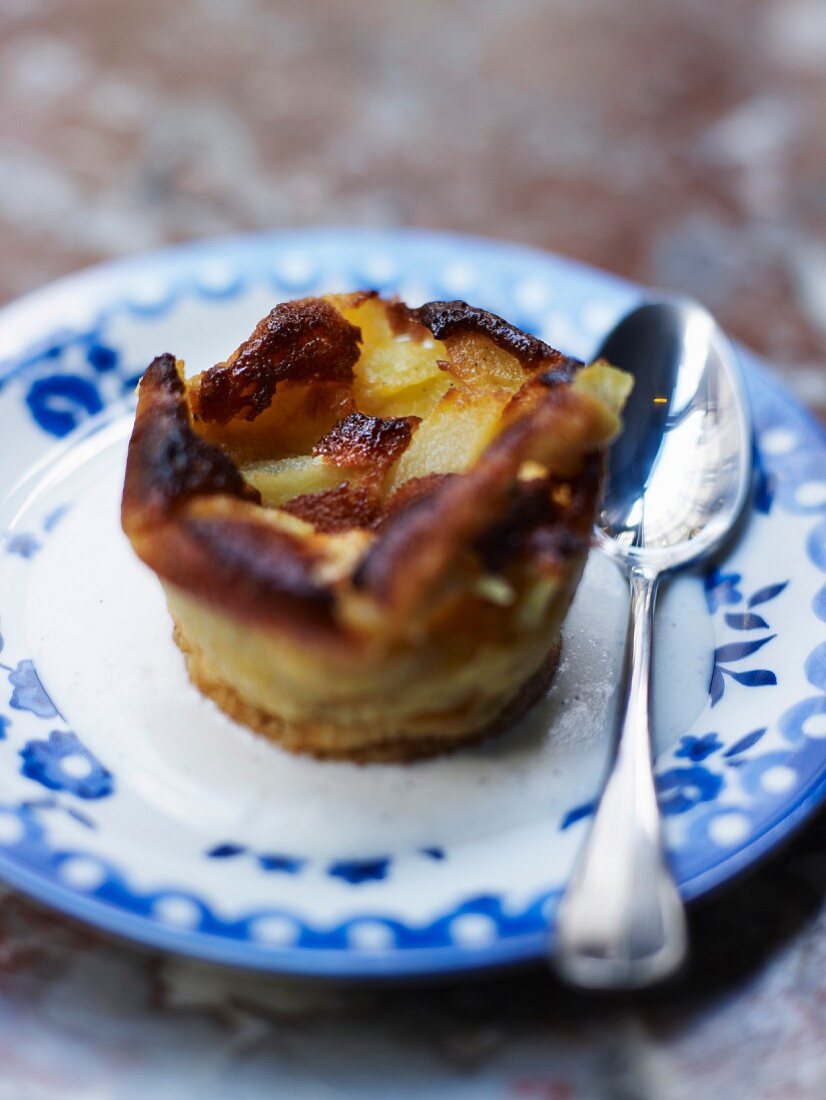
(130,801)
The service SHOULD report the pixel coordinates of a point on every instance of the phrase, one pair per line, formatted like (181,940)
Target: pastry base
(326,741)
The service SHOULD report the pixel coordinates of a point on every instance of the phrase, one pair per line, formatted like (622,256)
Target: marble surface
(82,1018)
(680,144)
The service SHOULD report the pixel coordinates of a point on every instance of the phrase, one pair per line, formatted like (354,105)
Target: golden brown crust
(414,493)
(420,544)
(168,463)
(356,580)
(220,549)
(256,574)
(456,318)
(340,509)
(403,321)
(250,559)
(302,341)
(243,563)
(547,519)
(367,442)
(323,740)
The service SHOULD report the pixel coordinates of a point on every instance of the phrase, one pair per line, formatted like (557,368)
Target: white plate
(129,800)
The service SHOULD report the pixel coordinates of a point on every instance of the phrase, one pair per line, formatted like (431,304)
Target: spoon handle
(621,922)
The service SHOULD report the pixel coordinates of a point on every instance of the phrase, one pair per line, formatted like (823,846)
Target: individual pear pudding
(370,520)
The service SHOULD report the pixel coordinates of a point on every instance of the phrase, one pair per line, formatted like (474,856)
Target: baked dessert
(370,521)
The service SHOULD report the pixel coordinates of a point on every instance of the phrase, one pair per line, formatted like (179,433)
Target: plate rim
(345,963)
(23,313)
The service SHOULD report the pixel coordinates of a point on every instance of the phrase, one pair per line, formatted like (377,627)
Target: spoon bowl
(679,474)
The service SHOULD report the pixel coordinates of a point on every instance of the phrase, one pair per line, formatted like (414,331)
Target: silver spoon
(678,478)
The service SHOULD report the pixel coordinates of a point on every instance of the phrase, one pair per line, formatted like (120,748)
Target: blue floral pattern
(60,402)
(697,749)
(354,872)
(24,545)
(288,865)
(226,851)
(681,789)
(724,790)
(741,746)
(721,590)
(725,655)
(357,871)
(29,694)
(578,813)
(63,764)
(267,861)
(102,358)
(765,484)
(678,789)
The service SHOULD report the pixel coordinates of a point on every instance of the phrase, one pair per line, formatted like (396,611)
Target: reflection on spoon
(678,479)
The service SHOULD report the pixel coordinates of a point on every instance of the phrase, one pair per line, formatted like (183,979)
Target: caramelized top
(305,341)
(445,319)
(366,442)
(175,464)
(355,464)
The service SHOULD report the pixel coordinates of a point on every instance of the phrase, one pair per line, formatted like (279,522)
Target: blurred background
(680,143)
